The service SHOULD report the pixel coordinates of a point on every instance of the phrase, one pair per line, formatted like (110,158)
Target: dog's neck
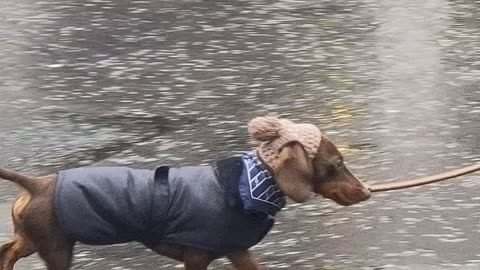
(258,189)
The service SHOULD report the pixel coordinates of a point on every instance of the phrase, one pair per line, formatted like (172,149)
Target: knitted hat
(274,133)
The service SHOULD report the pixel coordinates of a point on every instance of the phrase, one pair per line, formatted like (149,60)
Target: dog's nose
(366,193)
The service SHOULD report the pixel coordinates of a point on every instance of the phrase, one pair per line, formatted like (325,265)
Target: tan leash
(424,180)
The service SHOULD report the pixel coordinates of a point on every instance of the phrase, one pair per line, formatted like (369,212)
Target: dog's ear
(294,173)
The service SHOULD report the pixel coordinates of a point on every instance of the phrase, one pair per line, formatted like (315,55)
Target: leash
(424,180)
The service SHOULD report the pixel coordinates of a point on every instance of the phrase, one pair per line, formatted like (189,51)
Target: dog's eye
(331,171)
(340,164)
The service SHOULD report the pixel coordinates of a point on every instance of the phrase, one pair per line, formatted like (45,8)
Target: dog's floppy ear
(294,173)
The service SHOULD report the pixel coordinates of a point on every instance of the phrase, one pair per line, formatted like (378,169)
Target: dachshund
(192,224)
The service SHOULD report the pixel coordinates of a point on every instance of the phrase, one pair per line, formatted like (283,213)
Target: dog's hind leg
(14,250)
(20,245)
(197,260)
(57,255)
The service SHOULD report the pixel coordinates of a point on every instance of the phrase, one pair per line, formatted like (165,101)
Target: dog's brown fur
(299,177)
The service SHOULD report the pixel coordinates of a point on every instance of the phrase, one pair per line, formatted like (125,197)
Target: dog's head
(301,177)
(302,171)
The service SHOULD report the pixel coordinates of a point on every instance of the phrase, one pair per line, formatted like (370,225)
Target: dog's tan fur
(299,177)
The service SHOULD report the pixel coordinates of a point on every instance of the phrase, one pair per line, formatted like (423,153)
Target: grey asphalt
(142,83)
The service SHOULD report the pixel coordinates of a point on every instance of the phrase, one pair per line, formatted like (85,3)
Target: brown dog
(298,176)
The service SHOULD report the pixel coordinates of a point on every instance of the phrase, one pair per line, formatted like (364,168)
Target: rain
(396,84)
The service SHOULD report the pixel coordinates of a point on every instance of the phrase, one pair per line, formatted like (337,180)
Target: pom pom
(264,128)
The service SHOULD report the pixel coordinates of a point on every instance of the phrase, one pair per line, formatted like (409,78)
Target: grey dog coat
(196,206)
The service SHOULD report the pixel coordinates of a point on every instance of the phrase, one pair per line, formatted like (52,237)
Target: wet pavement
(143,83)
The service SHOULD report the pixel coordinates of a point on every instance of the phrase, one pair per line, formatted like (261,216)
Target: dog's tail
(30,184)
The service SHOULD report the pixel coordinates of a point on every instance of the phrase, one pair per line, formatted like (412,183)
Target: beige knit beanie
(274,133)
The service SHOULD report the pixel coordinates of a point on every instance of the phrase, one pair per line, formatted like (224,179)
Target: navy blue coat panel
(188,206)
(108,205)
(200,217)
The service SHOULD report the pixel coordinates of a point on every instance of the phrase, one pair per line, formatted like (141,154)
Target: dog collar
(258,190)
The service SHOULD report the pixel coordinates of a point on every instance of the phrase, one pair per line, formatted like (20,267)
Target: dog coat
(258,190)
(198,206)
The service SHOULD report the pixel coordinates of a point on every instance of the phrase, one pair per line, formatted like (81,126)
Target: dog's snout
(366,193)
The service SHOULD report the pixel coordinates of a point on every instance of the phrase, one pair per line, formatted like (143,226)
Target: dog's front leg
(196,259)
(243,260)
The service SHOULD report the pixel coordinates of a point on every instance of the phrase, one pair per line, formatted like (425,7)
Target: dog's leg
(57,255)
(243,260)
(20,245)
(12,251)
(196,260)
(40,225)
